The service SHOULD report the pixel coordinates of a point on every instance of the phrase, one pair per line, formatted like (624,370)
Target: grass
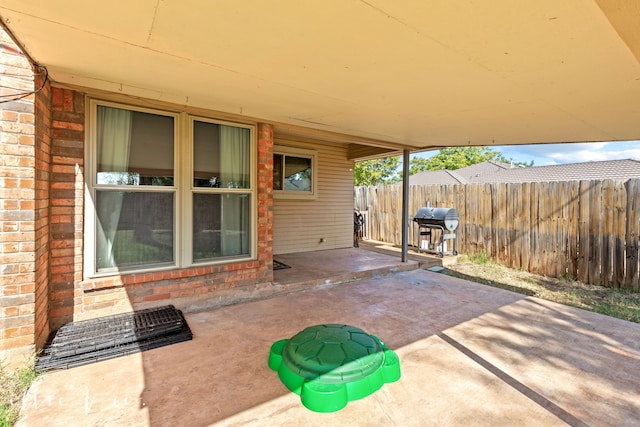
(619,303)
(13,386)
(480,258)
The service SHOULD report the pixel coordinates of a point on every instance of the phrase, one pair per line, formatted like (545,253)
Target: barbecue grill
(443,219)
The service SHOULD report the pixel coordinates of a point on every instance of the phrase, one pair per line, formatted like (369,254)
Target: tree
(377,172)
(418,164)
(388,170)
(453,158)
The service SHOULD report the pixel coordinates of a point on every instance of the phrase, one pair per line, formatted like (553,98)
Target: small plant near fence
(480,258)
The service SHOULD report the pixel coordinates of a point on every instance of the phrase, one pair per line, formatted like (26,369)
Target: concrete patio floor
(469,355)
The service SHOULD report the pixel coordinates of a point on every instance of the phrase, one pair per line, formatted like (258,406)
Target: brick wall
(66,204)
(17,199)
(265,197)
(41,209)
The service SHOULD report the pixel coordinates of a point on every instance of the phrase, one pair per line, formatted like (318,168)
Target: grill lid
(446,217)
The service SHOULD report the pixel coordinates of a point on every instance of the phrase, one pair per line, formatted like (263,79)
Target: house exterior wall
(74,297)
(42,282)
(24,200)
(300,224)
(42,207)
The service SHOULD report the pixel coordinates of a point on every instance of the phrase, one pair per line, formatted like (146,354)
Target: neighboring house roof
(435,177)
(474,173)
(458,176)
(501,172)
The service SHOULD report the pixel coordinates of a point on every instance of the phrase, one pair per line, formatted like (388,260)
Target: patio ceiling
(408,74)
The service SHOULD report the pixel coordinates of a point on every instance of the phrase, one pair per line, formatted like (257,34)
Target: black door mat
(277,265)
(88,341)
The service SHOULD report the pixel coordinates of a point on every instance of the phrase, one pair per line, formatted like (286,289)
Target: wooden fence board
(566,202)
(487,231)
(539,230)
(525,225)
(556,235)
(583,232)
(633,229)
(595,233)
(495,225)
(534,215)
(620,226)
(548,204)
(516,226)
(476,195)
(455,191)
(574,217)
(467,227)
(607,232)
(509,227)
(503,235)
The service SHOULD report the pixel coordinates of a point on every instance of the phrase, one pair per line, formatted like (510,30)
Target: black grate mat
(88,341)
(277,265)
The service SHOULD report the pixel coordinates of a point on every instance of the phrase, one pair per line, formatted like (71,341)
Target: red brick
(15,342)
(27,288)
(157,297)
(68,125)
(11,333)
(190,285)
(166,288)
(56,98)
(10,116)
(10,311)
(67,100)
(183,293)
(26,118)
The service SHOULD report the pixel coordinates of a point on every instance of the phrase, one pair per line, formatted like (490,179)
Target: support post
(405,205)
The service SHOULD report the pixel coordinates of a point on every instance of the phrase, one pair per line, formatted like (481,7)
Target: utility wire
(23,94)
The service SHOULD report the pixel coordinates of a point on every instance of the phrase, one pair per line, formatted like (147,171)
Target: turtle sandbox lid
(330,365)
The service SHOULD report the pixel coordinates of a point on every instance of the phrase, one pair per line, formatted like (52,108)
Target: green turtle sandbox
(330,365)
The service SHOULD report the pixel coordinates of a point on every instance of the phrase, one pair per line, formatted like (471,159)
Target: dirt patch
(618,303)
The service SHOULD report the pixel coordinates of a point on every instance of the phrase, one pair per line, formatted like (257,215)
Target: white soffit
(417,73)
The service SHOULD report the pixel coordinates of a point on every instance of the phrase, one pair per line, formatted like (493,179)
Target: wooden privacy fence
(585,230)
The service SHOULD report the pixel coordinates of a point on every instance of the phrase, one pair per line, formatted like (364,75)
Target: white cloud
(550,154)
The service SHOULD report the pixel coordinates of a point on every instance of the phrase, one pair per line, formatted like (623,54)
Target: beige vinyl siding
(298,225)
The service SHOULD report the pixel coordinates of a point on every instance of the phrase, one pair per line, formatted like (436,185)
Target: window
(221,191)
(142,215)
(294,173)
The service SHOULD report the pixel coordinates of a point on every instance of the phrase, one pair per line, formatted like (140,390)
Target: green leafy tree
(453,158)
(418,164)
(377,172)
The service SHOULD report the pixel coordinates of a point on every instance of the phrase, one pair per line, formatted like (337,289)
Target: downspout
(405,205)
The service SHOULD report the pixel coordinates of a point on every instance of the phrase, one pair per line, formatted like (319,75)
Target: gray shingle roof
(434,177)
(500,172)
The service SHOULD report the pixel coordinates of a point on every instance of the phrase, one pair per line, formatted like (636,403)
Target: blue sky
(555,154)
